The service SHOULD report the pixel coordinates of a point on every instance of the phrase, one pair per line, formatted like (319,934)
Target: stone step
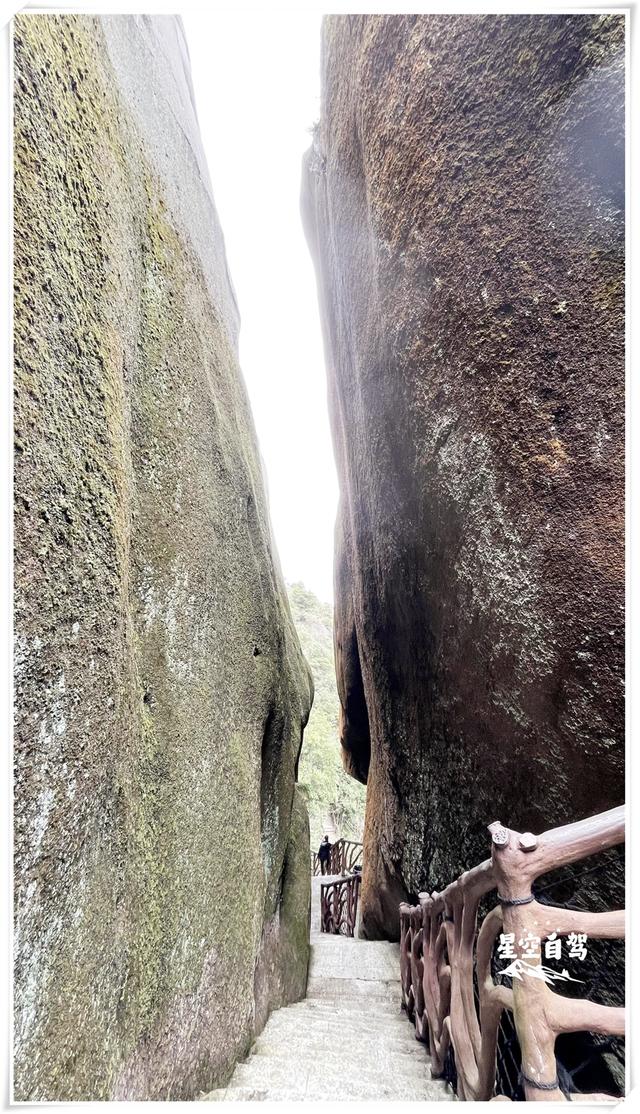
(266,1074)
(345,1088)
(350,1008)
(254,1094)
(347,1027)
(349,1088)
(347,1020)
(355,1002)
(352,1003)
(370,1088)
(348,1040)
(299,1072)
(333,963)
(356,994)
(344,1023)
(320,1045)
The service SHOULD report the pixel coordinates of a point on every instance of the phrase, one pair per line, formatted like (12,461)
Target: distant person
(324,854)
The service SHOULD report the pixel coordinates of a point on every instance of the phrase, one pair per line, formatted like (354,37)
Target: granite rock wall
(161,849)
(464,206)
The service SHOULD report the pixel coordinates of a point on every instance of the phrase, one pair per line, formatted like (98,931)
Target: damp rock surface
(464,205)
(161,851)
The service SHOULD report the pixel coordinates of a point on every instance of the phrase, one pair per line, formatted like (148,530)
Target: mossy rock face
(281,971)
(161,691)
(464,202)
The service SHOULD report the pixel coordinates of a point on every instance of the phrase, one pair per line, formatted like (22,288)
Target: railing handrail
(438,938)
(555,847)
(339,904)
(345,854)
(341,880)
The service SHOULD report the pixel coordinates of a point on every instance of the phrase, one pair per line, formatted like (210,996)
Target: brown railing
(345,855)
(439,942)
(339,905)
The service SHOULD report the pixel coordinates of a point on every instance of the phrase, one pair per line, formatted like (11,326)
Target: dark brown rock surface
(464,204)
(161,848)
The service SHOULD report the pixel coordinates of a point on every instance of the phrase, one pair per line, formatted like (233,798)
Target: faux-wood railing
(438,939)
(345,855)
(339,905)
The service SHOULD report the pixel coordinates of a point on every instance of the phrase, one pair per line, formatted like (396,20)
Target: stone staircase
(347,1040)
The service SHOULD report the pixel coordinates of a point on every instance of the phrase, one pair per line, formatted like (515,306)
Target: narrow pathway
(348,1039)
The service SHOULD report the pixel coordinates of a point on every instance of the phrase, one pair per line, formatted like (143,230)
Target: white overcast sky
(256,81)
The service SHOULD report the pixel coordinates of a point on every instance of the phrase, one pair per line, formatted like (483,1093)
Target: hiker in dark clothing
(324,855)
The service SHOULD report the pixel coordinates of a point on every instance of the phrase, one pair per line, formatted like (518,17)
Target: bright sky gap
(256,84)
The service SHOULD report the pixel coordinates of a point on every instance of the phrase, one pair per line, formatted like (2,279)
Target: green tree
(333,798)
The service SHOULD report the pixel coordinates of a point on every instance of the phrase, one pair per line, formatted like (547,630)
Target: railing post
(335,860)
(515,871)
(405,959)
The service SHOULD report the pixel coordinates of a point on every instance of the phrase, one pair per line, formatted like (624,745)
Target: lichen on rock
(145,577)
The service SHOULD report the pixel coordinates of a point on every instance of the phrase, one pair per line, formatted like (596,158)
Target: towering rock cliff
(162,870)
(464,204)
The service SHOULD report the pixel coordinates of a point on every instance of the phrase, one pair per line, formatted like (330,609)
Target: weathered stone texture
(161,692)
(464,204)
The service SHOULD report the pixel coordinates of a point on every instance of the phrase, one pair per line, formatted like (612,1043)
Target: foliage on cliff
(333,798)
